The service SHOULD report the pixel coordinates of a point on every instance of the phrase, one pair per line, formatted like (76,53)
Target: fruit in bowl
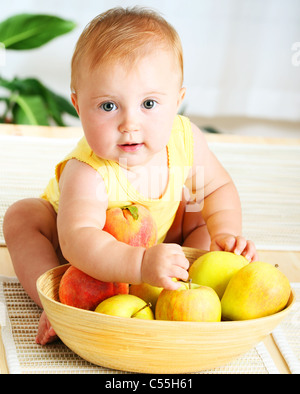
(191,302)
(126,305)
(133,225)
(151,346)
(215,269)
(82,291)
(146,292)
(257,290)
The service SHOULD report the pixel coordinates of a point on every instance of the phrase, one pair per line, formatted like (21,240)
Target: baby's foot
(45,334)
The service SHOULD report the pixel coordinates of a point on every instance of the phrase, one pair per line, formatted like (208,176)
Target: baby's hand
(163,262)
(236,244)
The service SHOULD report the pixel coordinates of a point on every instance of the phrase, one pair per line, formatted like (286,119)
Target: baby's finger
(230,244)
(176,249)
(226,243)
(241,244)
(179,259)
(250,252)
(180,273)
(170,284)
(182,263)
(215,247)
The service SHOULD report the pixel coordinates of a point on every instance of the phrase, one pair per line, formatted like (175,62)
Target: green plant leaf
(27,31)
(58,105)
(29,110)
(3,116)
(55,104)
(4,99)
(23,86)
(4,83)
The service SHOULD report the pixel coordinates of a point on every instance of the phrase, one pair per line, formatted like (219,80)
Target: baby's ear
(75,102)
(181,96)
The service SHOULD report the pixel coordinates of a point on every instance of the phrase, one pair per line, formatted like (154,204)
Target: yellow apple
(257,290)
(191,302)
(126,305)
(146,292)
(215,269)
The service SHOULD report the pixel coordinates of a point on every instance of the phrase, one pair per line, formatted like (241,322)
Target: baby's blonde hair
(124,34)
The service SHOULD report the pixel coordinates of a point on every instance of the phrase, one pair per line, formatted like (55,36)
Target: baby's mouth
(131,147)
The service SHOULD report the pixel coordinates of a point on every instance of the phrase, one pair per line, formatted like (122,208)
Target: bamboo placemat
(19,317)
(267,178)
(268,181)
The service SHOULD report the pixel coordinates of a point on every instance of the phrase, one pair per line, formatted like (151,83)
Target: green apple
(191,302)
(146,292)
(126,305)
(215,269)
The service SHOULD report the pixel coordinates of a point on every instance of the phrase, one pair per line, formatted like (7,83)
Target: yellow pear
(257,290)
(215,269)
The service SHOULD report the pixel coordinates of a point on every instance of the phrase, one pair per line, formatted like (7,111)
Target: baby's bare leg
(189,229)
(195,232)
(31,238)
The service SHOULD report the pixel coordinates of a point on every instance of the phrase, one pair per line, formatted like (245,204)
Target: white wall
(239,60)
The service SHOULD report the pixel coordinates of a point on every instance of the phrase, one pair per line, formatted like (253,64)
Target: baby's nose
(129,123)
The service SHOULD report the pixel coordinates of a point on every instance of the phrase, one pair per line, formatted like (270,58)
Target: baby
(127,75)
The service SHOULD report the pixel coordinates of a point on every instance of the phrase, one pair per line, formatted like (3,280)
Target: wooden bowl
(150,346)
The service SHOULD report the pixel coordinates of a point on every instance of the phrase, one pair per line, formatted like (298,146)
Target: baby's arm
(221,209)
(81,218)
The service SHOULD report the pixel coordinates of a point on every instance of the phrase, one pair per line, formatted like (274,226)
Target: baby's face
(127,113)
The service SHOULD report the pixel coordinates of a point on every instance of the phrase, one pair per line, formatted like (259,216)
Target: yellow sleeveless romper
(121,192)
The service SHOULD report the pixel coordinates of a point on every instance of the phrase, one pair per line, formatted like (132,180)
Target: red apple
(191,302)
(82,291)
(133,225)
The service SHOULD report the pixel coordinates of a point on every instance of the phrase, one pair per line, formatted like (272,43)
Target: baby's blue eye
(149,104)
(108,107)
